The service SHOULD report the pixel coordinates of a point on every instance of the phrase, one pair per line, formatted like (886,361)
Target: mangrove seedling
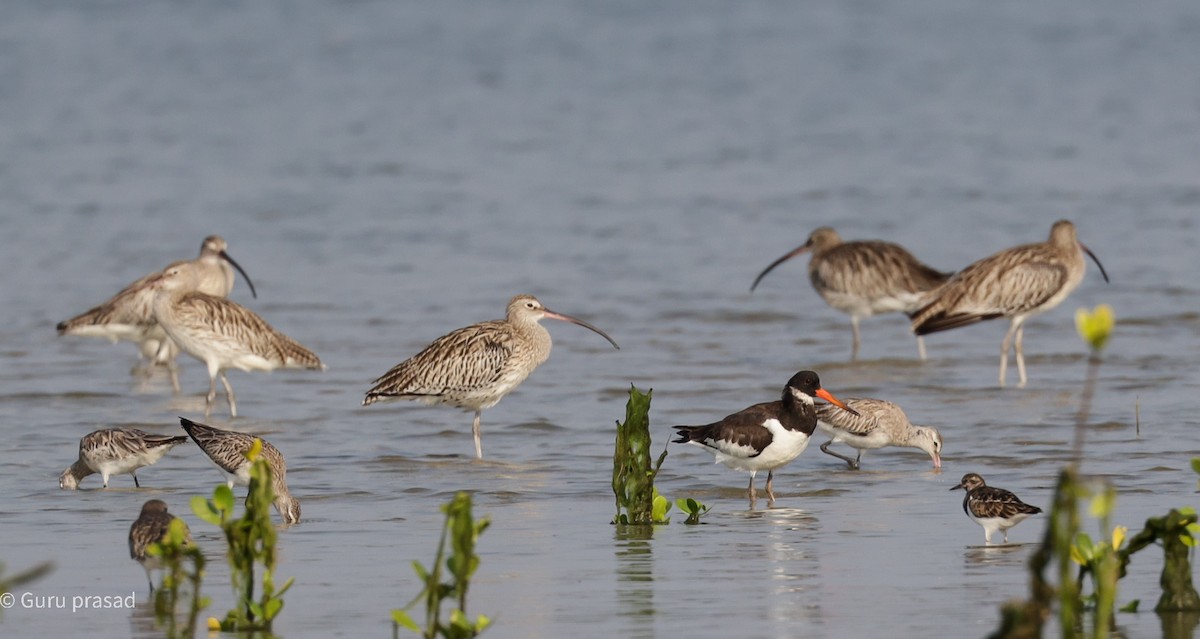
(251,540)
(633,473)
(463,532)
(693,508)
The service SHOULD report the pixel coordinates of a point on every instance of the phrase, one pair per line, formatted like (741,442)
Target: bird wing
(741,434)
(872,414)
(987,501)
(469,358)
(873,269)
(220,319)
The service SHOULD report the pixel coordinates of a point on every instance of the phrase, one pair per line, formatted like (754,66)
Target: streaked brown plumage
(993,508)
(764,436)
(1014,283)
(222,333)
(116,451)
(864,278)
(476,366)
(227,449)
(149,528)
(879,423)
(129,315)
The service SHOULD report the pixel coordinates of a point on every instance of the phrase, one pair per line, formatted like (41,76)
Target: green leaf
(1095,326)
(223,498)
(1131,606)
(1196,465)
(272,608)
(204,509)
(401,618)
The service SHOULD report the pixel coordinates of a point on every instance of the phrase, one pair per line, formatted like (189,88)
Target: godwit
(993,508)
(128,315)
(476,366)
(764,436)
(864,278)
(116,451)
(221,333)
(149,528)
(878,423)
(1014,283)
(227,449)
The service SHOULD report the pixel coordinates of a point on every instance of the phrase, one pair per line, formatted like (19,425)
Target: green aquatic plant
(173,551)
(693,508)
(463,532)
(251,541)
(638,503)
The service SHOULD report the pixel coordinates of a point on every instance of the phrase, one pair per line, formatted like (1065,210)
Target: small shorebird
(864,278)
(128,315)
(764,436)
(476,366)
(227,449)
(149,528)
(878,424)
(993,508)
(221,333)
(1014,283)
(116,451)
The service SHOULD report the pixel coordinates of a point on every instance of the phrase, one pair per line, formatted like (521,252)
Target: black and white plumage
(116,451)
(764,436)
(993,508)
(227,449)
(864,278)
(149,528)
(476,366)
(129,315)
(879,423)
(221,333)
(1014,283)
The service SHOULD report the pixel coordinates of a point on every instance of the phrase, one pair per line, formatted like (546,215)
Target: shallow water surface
(387,172)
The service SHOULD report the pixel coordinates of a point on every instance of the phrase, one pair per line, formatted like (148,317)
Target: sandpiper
(878,424)
(764,436)
(149,528)
(116,451)
(993,508)
(227,449)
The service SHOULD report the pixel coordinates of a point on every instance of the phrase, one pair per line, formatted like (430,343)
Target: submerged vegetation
(463,531)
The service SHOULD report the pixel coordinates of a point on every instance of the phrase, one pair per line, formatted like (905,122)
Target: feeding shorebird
(150,528)
(1014,283)
(221,333)
(476,366)
(129,316)
(227,449)
(993,508)
(116,451)
(864,278)
(764,436)
(877,424)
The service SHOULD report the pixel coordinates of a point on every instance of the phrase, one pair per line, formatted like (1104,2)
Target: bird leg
(475,432)
(212,394)
(229,395)
(921,347)
(853,463)
(770,493)
(1004,350)
(854,328)
(750,490)
(1020,362)
(173,369)
(135,480)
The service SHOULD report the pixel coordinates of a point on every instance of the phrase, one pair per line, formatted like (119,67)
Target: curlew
(864,278)
(227,449)
(149,528)
(764,436)
(221,333)
(116,451)
(878,424)
(993,508)
(1014,283)
(129,316)
(476,366)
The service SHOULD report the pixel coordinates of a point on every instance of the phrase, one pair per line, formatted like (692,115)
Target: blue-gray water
(389,171)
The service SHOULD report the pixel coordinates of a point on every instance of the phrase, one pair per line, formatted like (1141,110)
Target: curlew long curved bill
(1093,256)
(827,396)
(225,256)
(793,253)
(574,320)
